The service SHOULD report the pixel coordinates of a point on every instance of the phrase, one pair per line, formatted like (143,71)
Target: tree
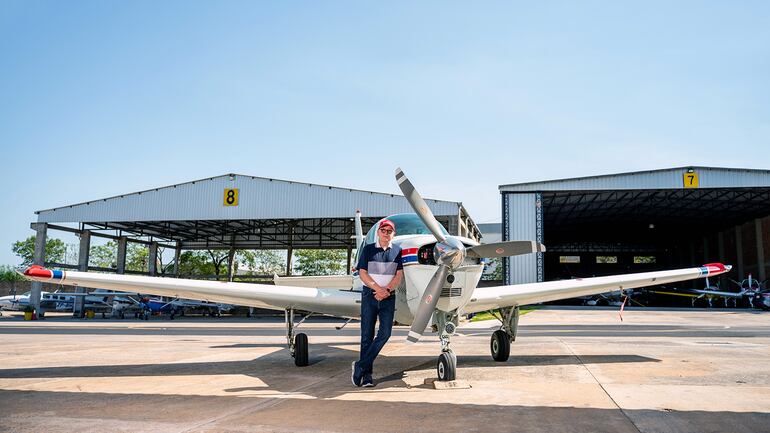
(260,262)
(7,273)
(494,270)
(137,257)
(54,250)
(195,263)
(320,262)
(104,256)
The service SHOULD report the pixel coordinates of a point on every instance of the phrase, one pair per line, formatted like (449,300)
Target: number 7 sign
(690,179)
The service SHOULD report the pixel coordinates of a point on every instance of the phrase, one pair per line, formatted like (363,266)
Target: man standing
(381,271)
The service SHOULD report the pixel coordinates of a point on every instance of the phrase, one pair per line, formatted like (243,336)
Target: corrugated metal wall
(521,225)
(259,198)
(656,179)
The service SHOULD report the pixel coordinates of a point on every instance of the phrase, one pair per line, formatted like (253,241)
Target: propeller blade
(427,304)
(419,205)
(505,249)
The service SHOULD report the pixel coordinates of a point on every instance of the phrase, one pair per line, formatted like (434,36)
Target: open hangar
(228,212)
(640,221)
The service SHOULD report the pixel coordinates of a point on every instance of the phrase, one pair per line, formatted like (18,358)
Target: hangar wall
(521,221)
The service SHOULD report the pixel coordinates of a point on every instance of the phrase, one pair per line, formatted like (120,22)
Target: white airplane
(441,275)
(61,301)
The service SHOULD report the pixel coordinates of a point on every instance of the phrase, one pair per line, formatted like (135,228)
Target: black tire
(500,346)
(446,367)
(300,350)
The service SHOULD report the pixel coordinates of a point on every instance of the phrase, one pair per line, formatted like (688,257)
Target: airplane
(178,306)
(51,301)
(441,276)
(750,290)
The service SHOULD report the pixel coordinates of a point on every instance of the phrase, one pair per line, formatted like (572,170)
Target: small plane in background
(750,291)
(177,307)
(441,276)
(58,301)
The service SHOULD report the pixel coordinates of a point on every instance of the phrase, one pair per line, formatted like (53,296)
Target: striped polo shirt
(381,264)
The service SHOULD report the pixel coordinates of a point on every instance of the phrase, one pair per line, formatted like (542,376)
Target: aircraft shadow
(279,363)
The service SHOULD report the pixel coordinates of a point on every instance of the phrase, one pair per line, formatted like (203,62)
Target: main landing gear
(298,346)
(446,367)
(500,345)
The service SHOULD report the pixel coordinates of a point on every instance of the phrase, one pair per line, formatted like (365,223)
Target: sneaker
(355,376)
(368,382)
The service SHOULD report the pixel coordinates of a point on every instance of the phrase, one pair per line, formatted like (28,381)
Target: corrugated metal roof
(669,178)
(258,198)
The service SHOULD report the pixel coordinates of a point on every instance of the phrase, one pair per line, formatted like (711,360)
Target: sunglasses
(386,231)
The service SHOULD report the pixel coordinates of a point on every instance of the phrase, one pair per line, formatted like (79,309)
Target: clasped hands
(380,293)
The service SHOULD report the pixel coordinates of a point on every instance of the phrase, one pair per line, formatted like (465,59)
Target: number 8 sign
(231,197)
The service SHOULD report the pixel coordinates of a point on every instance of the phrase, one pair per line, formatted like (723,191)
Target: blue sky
(104,97)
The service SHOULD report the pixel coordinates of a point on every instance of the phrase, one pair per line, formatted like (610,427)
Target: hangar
(639,221)
(229,212)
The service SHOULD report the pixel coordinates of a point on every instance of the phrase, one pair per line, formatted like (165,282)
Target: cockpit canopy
(406,224)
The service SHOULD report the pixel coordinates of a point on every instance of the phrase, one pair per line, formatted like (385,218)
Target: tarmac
(571,370)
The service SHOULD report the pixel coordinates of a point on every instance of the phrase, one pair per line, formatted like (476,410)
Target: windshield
(406,224)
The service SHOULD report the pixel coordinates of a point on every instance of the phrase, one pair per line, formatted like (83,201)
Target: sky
(100,98)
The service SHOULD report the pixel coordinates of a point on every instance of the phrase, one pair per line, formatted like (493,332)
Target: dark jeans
(371,310)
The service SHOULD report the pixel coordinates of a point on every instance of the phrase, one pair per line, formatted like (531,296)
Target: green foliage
(260,262)
(320,262)
(7,273)
(137,257)
(195,263)
(494,270)
(104,256)
(54,250)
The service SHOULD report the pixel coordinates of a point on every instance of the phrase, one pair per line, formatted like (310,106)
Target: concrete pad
(570,370)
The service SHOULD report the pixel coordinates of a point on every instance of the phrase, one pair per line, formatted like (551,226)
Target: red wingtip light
(37,271)
(716,267)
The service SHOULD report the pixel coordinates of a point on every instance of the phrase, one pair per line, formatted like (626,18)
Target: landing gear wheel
(446,367)
(300,350)
(500,346)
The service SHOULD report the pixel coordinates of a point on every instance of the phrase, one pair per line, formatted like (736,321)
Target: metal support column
(230,261)
(760,250)
(152,261)
(79,310)
(289,253)
(350,258)
(41,236)
(122,250)
(177,255)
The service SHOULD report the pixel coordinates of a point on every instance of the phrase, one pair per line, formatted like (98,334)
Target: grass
(488,316)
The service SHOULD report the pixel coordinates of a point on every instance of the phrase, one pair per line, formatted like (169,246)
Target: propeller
(449,254)
(419,205)
(505,249)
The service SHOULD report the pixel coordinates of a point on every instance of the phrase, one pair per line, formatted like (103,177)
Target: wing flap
(325,301)
(489,298)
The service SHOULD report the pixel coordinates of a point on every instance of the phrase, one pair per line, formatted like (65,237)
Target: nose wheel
(447,366)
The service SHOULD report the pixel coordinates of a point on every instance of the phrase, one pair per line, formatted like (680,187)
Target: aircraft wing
(325,301)
(490,298)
